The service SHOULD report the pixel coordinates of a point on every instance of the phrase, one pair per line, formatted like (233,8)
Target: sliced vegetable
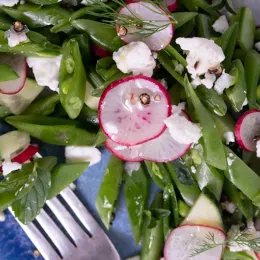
(182,18)
(26,155)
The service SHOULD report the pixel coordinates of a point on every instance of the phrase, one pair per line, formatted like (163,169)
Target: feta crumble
(196,82)
(223,82)
(209,80)
(91,101)
(258,148)
(257,46)
(82,154)
(193,169)
(131,167)
(203,54)
(10,166)
(221,24)
(46,70)
(14,38)
(8,2)
(229,136)
(179,108)
(230,207)
(164,83)
(135,57)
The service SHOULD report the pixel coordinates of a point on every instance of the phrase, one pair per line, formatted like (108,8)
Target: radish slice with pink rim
(184,239)
(148,12)
(18,64)
(247,129)
(257,255)
(132,110)
(100,52)
(171,4)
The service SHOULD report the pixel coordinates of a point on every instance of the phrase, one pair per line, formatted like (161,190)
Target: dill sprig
(131,23)
(239,238)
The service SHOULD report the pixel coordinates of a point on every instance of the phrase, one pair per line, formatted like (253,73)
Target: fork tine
(68,222)
(63,244)
(39,241)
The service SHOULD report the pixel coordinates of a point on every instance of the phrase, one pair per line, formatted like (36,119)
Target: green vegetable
(189,5)
(85,47)
(106,68)
(186,30)
(5,22)
(182,18)
(4,112)
(109,190)
(63,175)
(7,73)
(136,194)
(204,26)
(72,79)
(243,255)
(44,2)
(88,115)
(183,209)
(100,138)
(175,55)
(257,35)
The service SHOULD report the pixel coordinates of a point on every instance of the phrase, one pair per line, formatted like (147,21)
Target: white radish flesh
(18,64)
(247,128)
(132,110)
(157,17)
(183,240)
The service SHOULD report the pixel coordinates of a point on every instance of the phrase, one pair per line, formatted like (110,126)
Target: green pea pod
(252,73)
(237,93)
(72,79)
(247,27)
(4,112)
(88,116)
(189,5)
(211,100)
(106,68)
(5,22)
(204,26)
(183,209)
(153,238)
(243,255)
(182,18)
(109,190)
(44,106)
(64,26)
(63,175)
(136,194)
(44,2)
(102,36)
(175,55)
(236,172)
(190,191)
(239,199)
(257,35)
(203,4)
(100,138)
(35,16)
(186,30)
(7,73)
(214,150)
(52,130)
(85,11)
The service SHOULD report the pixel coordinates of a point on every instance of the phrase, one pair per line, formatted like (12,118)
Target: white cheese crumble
(82,154)
(8,2)
(229,136)
(223,82)
(179,108)
(229,206)
(193,169)
(10,166)
(209,80)
(164,83)
(46,70)
(131,167)
(221,24)
(257,46)
(2,216)
(14,38)
(91,101)
(203,54)
(258,148)
(196,82)
(135,57)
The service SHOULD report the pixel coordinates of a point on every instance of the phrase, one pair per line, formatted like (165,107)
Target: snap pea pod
(109,190)
(175,54)
(44,106)
(186,30)
(247,27)
(243,255)
(64,26)
(85,12)
(106,68)
(153,238)
(7,73)
(211,100)
(204,5)
(204,26)
(72,79)
(182,18)
(5,22)
(257,35)
(190,191)
(4,112)
(100,138)
(237,93)
(239,199)
(102,36)
(63,175)
(252,73)
(189,5)
(95,79)
(214,150)
(167,220)
(52,130)
(183,209)
(44,2)
(236,172)
(136,195)
(89,116)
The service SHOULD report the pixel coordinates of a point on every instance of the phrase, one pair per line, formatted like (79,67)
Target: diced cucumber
(12,144)
(17,103)
(205,212)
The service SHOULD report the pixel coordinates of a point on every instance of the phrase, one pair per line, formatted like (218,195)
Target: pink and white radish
(248,130)
(257,255)
(18,64)
(132,110)
(184,239)
(156,18)
(100,52)
(171,4)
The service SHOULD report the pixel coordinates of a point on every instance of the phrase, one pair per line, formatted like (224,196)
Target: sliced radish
(132,110)
(26,155)
(183,240)
(148,12)
(18,64)
(171,4)
(257,255)
(247,129)
(100,52)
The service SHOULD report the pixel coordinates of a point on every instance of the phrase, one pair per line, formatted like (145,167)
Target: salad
(169,87)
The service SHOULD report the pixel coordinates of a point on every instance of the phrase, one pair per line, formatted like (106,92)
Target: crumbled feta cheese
(193,169)
(196,82)
(14,38)
(257,46)
(209,80)
(182,130)
(229,136)
(164,83)
(8,2)
(91,101)
(223,82)
(135,57)
(258,148)
(203,54)
(131,167)
(221,24)
(46,70)
(179,108)
(229,206)
(10,166)
(82,154)
(2,216)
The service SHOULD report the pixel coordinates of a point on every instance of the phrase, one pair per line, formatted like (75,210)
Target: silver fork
(93,246)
